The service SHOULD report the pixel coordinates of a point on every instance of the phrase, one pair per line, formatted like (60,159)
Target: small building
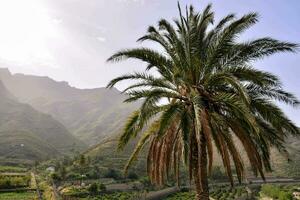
(50,169)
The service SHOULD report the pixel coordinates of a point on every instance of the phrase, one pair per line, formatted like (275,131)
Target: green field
(12,169)
(114,196)
(220,192)
(18,196)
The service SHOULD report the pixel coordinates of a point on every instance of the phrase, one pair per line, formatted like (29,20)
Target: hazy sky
(71,39)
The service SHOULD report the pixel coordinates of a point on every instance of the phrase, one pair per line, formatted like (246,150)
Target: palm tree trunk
(200,170)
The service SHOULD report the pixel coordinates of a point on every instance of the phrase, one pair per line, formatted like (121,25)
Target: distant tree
(93,188)
(132,175)
(88,160)
(66,161)
(63,172)
(82,160)
(55,177)
(102,187)
(36,163)
(112,173)
(97,171)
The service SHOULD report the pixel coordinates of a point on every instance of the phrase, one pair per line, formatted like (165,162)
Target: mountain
(288,167)
(28,134)
(89,114)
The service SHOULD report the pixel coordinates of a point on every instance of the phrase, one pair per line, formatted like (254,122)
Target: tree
(206,92)
(82,161)
(93,188)
(112,173)
(63,172)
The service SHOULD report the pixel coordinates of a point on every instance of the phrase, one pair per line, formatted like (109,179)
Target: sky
(70,40)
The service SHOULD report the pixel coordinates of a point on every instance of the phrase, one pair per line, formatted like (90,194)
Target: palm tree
(206,95)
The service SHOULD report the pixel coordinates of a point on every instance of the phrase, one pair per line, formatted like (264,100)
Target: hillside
(24,145)
(109,156)
(89,114)
(291,167)
(26,133)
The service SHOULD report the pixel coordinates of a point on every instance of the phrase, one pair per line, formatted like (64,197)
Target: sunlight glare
(26,30)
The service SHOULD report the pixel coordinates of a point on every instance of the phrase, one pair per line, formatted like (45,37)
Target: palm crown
(214,95)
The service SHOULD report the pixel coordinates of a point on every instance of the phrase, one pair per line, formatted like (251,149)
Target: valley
(75,132)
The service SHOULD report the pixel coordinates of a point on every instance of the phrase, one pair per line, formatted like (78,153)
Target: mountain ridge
(89,114)
(26,133)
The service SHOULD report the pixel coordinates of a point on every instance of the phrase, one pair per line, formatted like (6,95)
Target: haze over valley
(90,115)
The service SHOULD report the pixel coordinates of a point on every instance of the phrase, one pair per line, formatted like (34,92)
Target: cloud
(57,21)
(134,1)
(101,39)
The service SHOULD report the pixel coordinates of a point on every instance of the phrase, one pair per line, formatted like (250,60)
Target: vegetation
(219,193)
(90,115)
(18,196)
(96,188)
(94,192)
(25,135)
(48,192)
(211,94)
(8,182)
(115,196)
(16,169)
(277,191)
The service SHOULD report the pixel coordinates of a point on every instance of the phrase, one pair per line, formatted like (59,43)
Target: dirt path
(34,185)
(55,192)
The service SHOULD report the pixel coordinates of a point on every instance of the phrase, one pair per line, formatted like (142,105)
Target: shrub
(285,196)
(132,175)
(93,188)
(102,187)
(275,192)
(217,173)
(146,183)
(7,182)
(55,177)
(112,173)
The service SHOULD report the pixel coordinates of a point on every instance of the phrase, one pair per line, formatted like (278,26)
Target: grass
(8,182)
(12,169)
(281,192)
(115,196)
(218,192)
(18,196)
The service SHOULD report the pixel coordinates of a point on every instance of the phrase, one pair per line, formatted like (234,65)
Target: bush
(102,187)
(55,177)
(275,192)
(112,173)
(73,191)
(217,173)
(7,182)
(74,176)
(132,175)
(285,196)
(93,188)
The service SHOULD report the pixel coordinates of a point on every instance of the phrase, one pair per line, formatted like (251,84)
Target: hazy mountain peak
(90,114)
(42,135)
(4,93)
(5,71)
